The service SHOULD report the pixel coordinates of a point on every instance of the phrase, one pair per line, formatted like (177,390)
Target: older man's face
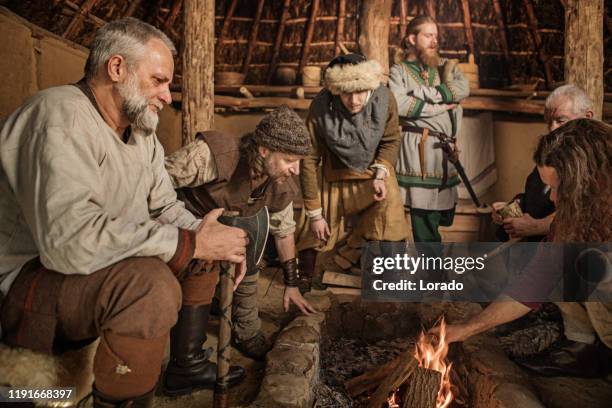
(146,88)
(561,111)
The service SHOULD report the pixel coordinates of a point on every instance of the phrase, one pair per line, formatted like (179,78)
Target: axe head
(257,227)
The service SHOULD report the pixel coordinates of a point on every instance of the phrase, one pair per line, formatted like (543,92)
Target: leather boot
(189,368)
(306,262)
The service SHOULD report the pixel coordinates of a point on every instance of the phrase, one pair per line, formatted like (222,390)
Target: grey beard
(136,107)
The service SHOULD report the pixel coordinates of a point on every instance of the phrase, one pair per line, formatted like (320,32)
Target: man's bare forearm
(502,310)
(285,247)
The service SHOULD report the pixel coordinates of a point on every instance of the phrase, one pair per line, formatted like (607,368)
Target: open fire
(431,354)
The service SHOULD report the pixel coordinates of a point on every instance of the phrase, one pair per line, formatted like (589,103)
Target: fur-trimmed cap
(282,130)
(352,73)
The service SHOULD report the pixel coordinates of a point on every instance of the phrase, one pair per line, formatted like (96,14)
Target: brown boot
(189,368)
(255,348)
(307,260)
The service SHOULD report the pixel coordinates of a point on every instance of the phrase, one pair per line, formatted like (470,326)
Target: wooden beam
(75,7)
(132,8)
(537,39)
(174,12)
(278,40)
(467,23)
(226,22)
(430,8)
(499,17)
(584,48)
(314,11)
(403,22)
(374,31)
(340,26)
(77,20)
(198,67)
(253,36)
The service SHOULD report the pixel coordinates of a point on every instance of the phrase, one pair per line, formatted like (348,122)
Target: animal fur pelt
(26,368)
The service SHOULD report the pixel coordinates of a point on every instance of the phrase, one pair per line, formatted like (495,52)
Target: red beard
(429,56)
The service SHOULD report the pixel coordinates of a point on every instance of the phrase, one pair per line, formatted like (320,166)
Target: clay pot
(285,76)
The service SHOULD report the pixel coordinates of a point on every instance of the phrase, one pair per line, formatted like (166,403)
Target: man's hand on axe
(218,242)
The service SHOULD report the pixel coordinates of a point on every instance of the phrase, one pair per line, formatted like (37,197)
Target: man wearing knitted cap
(354,130)
(244,175)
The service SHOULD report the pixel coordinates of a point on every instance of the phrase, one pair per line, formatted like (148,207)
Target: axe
(256,228)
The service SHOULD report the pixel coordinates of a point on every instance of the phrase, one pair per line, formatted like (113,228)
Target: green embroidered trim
(418,108)
(445,91)
(427,182)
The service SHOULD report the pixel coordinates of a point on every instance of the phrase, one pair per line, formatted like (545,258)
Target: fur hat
(352,73)
(282,130)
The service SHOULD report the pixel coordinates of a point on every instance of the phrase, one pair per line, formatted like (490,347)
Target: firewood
(422,389)
(352,254)
(370,379)
(406,366)
(344,291)
(342,262)
(341,279)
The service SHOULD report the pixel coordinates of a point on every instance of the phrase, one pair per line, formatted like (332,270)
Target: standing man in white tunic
(428,90)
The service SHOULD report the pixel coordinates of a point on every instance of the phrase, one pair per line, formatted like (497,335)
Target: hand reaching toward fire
(454,332)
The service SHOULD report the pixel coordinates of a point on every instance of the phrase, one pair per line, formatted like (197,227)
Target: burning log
(422,390)
(406,366)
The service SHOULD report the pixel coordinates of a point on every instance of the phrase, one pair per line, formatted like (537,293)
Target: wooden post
(403,19)
(314,11)
(374,31)
(174,12)
(467,23)
(537,39)
(278,41)
(198,67)
(340,26)
(78,18)
(253,37)
(584,48)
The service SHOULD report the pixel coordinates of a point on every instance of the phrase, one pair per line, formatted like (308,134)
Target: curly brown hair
(581,153)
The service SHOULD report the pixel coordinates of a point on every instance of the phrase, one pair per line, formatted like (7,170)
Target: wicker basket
(228,78)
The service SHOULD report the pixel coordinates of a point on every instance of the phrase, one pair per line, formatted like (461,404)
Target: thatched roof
(522,62)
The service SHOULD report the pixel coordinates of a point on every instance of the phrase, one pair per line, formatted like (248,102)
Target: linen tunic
(73,193)
(420,104)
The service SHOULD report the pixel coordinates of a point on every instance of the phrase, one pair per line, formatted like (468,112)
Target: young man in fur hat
(354,130)
(244,175)
(427,89)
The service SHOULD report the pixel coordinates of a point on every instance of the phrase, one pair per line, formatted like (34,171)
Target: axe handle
(220,399)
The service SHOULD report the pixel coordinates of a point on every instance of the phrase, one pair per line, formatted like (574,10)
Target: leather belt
(425,133)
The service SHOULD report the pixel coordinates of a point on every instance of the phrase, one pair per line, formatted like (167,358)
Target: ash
(343,359)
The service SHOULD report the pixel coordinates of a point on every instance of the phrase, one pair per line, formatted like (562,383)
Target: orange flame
(434,357)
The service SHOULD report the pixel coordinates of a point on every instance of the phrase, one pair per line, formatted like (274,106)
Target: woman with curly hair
(575,162)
